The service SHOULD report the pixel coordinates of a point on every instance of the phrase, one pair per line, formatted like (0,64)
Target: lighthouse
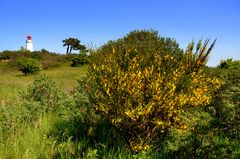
(29,43)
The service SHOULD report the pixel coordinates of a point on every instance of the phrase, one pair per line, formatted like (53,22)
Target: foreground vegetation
(121,108)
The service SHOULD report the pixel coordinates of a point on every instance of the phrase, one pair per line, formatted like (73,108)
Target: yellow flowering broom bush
(145,93)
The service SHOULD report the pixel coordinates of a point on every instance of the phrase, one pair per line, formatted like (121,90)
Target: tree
(144,83)
(67,42)
(73,44)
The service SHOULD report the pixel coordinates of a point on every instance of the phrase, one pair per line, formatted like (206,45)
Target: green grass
(12,81)
(24,140)
(67,76)
(39,141)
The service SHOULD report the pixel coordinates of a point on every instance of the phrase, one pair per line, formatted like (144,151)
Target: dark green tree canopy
(73,44)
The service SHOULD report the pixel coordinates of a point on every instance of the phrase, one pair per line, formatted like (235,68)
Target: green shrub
(229,64)
(226,106)
(29,65)
(215,133)
(44,96)
(80,60)
(46,93)
(49,60)
(6,55)
(143,84)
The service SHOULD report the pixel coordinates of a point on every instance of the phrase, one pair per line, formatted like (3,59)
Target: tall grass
(29,130)
(30,143)
(8,92)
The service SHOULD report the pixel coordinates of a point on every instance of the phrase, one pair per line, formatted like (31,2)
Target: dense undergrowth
(43,121)
(47,59)
(49,123)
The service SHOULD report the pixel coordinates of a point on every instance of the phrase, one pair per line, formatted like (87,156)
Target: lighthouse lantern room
(29,43)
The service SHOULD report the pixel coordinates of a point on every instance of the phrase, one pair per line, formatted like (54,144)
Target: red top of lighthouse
(29,37)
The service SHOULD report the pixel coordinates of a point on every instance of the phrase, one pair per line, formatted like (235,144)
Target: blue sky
(97,21)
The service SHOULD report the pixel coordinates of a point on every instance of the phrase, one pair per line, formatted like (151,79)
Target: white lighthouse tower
(29,43)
